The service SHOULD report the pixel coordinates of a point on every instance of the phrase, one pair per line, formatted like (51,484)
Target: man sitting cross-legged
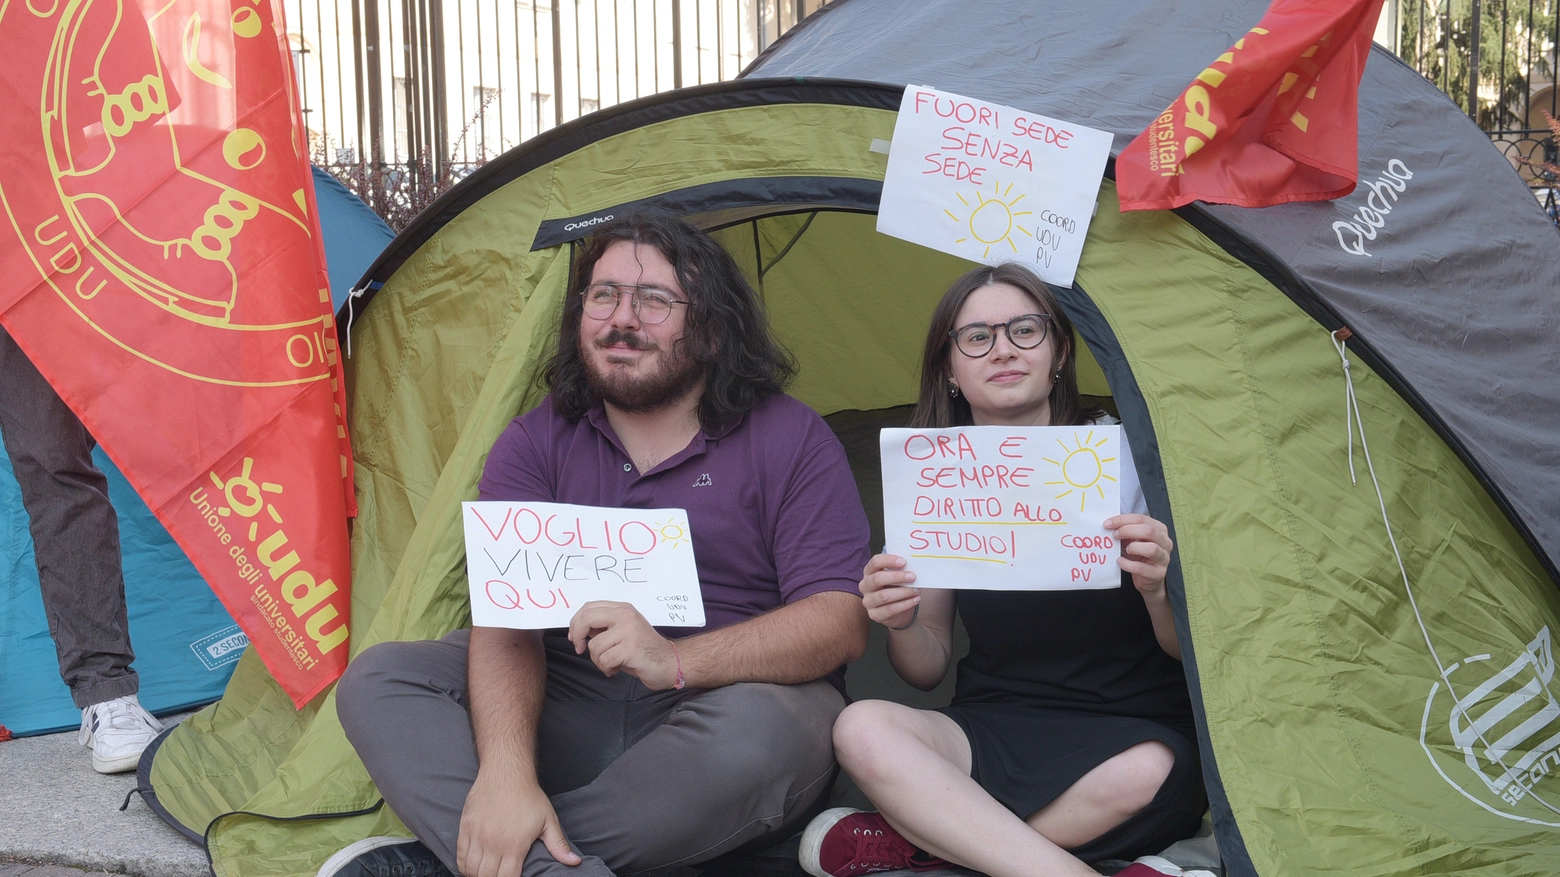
(614,746)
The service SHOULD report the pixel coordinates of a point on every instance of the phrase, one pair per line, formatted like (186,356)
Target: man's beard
(677,375)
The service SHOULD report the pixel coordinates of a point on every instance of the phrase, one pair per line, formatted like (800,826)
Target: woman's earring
(1057,376)
(953,390)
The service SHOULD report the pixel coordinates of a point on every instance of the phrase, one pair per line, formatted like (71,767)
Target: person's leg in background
(76,543)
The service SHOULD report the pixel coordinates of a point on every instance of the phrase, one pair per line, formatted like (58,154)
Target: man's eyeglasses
(651,304)
(1025,332)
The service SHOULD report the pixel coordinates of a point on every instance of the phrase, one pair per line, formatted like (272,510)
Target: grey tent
(1440,262)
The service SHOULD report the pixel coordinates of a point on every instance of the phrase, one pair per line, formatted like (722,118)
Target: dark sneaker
(844,842)
(384,857)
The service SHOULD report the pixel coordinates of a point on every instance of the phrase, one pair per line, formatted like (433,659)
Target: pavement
(61,818)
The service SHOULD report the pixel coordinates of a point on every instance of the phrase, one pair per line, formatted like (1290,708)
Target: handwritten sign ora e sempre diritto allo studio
(1004,508)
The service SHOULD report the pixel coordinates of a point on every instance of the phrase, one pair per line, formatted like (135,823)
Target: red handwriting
(506,596)
(956,508)
(953,169)
(965,541)
(1000,476)
(966,152)
(1088,561)
(1040,513)
(973,144)
(633,537)
(958,110)
(1041,131)
(921,447)
(489,527)
(1071,541)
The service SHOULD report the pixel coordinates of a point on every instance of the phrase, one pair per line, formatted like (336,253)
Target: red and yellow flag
(161,263)
(1272,120)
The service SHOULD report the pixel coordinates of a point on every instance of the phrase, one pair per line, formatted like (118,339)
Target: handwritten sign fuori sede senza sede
(1004,508)
(991,183)
(533,564)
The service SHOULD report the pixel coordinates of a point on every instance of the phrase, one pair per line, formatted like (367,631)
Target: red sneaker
(844,842)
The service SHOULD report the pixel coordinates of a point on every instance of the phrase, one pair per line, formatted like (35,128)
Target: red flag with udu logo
(163,267)
(1272,120)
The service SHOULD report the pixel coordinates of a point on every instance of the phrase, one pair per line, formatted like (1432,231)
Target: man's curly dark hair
(726,330)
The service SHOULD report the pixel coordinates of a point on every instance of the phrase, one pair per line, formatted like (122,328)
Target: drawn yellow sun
(1081,468)
(673,533)
(991,220)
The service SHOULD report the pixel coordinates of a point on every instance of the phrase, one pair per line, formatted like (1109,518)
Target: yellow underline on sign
(953,557)
(999,523)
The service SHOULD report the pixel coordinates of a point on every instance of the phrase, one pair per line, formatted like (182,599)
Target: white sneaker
(118,731)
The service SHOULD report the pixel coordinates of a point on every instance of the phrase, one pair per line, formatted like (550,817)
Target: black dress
(1058,682)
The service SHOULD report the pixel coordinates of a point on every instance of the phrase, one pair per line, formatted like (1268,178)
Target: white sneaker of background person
(118,731)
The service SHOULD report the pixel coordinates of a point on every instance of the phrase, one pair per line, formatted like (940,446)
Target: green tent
(1352,719)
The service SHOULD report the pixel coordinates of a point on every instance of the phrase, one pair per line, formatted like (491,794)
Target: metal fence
(1498,60)
(402,98)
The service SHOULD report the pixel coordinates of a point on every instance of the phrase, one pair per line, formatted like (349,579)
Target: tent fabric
(1460,267)
(1324,682)
(185,642)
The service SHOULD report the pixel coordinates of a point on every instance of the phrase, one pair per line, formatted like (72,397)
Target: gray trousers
(75,532)
(639,779)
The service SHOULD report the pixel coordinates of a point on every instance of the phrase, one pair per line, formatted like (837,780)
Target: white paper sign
(1004,508)
(992,184)
(533,564)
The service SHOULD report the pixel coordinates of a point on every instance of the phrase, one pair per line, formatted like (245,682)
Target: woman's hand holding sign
(921,620)
(1145,554)
(619,638)
(1145,550)
(886,592)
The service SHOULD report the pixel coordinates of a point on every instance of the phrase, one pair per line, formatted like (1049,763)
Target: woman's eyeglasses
(1025,332)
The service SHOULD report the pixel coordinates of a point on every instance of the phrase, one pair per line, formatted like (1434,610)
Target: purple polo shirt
(771,503)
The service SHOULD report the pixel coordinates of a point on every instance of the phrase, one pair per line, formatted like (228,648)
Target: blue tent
(185,642)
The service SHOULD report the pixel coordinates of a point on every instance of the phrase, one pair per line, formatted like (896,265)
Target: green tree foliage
(1517,45)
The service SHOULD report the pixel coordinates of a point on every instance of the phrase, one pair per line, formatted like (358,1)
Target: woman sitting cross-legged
(1070,736)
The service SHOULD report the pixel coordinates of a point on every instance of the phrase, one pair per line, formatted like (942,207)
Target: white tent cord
(1352,418)
(1349,407)
(352,298)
